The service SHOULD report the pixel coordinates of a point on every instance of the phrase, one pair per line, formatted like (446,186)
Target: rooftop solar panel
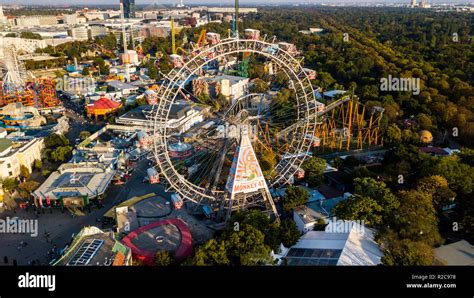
(313,257)
(86,252)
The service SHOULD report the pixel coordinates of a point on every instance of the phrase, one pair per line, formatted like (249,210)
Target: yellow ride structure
(346,124)
(350,126)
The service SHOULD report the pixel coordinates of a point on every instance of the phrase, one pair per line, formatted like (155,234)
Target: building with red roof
(102,107)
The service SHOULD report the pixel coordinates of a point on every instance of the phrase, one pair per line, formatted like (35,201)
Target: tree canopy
(314,169)
(294,196)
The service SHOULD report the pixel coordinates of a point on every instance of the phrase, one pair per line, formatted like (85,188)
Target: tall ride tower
(236,19)
(246,186)
(126,56)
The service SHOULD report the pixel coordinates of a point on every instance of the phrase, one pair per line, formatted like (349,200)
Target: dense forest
(359,46)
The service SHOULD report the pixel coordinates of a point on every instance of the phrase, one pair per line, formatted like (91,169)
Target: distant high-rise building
(424,4)
(413,3)
(128,8)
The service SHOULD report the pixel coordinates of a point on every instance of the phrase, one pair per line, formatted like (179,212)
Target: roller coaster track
(327,109)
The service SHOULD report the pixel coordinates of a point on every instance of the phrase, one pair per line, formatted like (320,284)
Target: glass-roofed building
(323,248)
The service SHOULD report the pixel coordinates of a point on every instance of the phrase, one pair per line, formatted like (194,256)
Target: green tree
(467,156)
(30,35)
(9,184)
(393,135)
(408,253)
(261,221)
(460,176)
(289,233)
(24,172)
(360,208)
(38,164)
(163,258)
(407,160)
(108,41)
(372,202)
(86,71)
(437,187)
(211,253)
(320,225)
(314,169)
(247,247)
(55,140)
(27,187)
(377,190)
(256,70)
(464,215)
(294,196)
(165,66)
(416,219)
(61,154)
(152,71)
(424,121)
(84,134)
(103,67)
(259,86)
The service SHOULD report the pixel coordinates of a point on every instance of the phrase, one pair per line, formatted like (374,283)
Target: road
(357,153)
(61,226)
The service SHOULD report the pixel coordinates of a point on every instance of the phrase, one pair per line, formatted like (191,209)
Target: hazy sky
(215,2)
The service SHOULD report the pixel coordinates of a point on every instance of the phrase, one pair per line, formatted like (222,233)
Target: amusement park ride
(17,85)
(257,130)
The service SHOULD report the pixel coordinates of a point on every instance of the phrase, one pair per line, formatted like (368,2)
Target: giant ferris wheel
(227,162)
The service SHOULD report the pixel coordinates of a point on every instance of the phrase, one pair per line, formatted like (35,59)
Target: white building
(24,44)
(94,15)
(30,21)
(94,247)
(70,19)
(183,116)
(305,218)
(81,19)
(354,247)
(79,33)
(97,30)
(123,88)
(232,87)
(14,154)
(84,179)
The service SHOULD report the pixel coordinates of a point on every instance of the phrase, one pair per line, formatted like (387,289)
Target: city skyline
(220,3)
